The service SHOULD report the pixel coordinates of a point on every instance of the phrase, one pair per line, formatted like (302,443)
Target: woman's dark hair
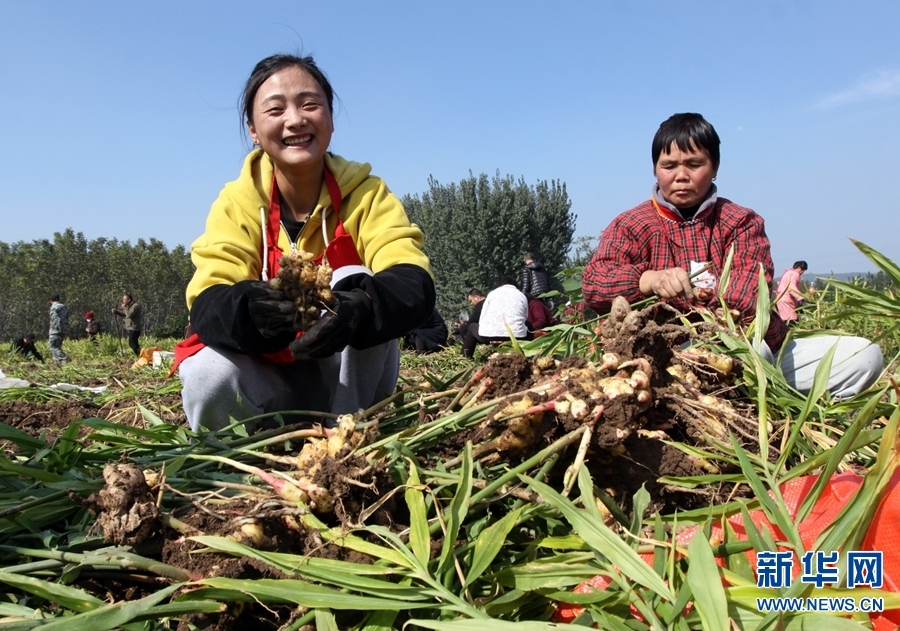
(686,131)
(801,265)
(269,66)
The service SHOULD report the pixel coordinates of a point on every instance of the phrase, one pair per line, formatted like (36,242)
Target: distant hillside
(809,277)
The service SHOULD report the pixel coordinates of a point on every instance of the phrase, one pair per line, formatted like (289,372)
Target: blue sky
(121,122)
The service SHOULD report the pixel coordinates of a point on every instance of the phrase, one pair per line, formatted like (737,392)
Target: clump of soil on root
(125,508)
(359,487)
(264,523)
(507,373)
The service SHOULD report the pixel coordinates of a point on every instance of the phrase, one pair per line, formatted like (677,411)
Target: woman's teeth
(297,141)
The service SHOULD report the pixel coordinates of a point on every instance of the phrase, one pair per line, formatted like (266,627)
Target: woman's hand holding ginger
(667,283)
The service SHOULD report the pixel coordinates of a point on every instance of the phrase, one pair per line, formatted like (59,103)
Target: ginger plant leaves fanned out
(489,543)
(859,300)
(873,306)
(603,540)
(706,585)
(419,536)
(848,529)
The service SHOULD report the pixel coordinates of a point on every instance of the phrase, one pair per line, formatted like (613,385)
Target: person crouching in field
(24,346)
(685,226)
(505,312)
(245,357)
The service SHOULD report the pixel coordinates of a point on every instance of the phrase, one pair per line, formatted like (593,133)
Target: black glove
(334,330)
(270,311)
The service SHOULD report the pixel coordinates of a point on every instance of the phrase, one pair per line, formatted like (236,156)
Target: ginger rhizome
(306,284)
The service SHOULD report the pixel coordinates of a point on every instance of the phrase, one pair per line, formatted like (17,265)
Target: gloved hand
(335,329)
(270,311)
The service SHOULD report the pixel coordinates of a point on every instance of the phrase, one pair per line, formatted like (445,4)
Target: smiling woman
(247,356)
(290,119)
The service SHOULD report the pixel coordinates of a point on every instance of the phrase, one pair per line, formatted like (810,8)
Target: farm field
(479,496)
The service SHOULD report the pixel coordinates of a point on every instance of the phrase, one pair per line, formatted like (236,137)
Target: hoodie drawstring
(265,243)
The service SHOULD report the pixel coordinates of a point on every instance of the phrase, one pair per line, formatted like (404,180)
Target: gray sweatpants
(857,363)
(219,384)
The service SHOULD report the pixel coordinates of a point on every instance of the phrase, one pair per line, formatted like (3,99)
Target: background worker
(476,300)
(131,312)
(535,280)
(788,297)
(428,337)
(24,346)
(91,326)
(505,311)
(59,328)
(539,315)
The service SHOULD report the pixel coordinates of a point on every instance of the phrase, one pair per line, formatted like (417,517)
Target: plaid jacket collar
(670,212)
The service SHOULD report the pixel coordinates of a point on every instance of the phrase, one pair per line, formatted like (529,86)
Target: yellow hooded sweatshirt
(231,248)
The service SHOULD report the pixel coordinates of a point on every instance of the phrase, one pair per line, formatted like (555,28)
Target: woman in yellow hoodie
(245,357)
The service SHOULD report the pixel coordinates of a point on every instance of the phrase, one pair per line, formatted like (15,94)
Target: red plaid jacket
(641,239)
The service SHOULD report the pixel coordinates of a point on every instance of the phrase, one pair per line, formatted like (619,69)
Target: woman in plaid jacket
(685,227)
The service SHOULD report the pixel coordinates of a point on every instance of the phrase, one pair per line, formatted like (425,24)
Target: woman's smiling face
(292,121)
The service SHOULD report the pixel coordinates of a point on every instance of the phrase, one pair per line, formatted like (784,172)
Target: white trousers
(857,363)
(219,385)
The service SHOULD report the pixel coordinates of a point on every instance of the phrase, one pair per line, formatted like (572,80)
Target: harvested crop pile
(643,394)
(343,492)
(620,416)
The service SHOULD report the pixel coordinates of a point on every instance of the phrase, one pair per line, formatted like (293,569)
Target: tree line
(476,231)
(91,275)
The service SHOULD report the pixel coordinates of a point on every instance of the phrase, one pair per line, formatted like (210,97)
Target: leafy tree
(476,231)
(582,250)
(91,276)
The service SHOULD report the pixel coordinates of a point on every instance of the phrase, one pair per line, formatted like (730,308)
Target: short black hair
(475,293)
(802,265)
(506,279)
(29,336)
(686,131)
(54,298)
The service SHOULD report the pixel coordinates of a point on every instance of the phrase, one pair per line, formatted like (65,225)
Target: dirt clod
(126,510)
